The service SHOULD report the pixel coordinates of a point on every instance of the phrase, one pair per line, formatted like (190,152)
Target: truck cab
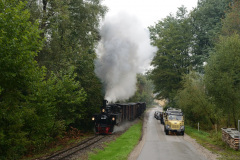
(174,121)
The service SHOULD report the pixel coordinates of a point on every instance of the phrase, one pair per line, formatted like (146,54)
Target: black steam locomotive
(115,114)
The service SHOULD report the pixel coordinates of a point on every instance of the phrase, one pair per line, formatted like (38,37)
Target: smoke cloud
(123,51)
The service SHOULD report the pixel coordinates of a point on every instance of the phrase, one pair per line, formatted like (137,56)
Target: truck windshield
(175,117)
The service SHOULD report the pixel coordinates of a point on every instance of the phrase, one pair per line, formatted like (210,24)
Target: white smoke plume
(123,51)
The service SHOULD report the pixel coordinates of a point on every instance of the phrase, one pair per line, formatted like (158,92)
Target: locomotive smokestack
(105,103)
(103,108)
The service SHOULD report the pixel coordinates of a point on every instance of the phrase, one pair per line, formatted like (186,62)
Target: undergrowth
(212,140)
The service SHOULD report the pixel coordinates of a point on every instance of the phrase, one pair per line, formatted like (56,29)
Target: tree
(71,32)
(52,104)
(223,77)
(195,103)
(231,24)
(93,88)
(144,91)
(35,108)
(20,42)
(172,36)
(206,23)
(70,29)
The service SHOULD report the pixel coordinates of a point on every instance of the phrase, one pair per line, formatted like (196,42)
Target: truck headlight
(182,127)
(167,126)
(113,118)
(93,118)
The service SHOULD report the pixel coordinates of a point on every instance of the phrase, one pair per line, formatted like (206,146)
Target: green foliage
(93,88)
(172,60)
(213,141)
(195,103)
(206,25)
(231,24)
(53,106)
(69,96)
(70,28)
(20,42)
(71,32)
(144,91)
(184,43)
(223,76)
(34,108)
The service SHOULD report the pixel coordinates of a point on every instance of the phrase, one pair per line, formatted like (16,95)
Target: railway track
(67,153)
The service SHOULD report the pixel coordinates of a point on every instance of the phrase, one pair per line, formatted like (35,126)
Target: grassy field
(122,147)
(213,142)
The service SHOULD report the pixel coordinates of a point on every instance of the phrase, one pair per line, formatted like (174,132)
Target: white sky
(148,11)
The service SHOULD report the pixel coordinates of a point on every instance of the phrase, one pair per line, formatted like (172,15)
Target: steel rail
(57,155)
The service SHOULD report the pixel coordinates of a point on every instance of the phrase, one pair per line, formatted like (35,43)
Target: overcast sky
(148,11)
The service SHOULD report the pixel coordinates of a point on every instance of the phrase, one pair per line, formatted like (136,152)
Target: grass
(122,147)
(213,141)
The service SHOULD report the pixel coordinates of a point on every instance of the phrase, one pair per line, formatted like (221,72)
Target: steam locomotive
(115,114)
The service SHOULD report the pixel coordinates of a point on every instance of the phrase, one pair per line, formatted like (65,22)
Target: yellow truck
(174,121)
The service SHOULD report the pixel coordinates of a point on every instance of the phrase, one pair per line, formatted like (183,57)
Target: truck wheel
(182,133)
(167,132)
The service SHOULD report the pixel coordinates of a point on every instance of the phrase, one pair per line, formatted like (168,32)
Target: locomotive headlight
(113,118)
(93,118)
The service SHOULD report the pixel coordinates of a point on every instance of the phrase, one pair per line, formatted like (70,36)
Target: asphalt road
(159,146)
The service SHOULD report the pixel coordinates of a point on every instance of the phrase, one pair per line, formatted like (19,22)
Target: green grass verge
(213,141)
(122,147)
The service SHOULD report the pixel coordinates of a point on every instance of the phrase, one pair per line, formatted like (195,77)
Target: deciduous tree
(173,37)
(231,24)
(206,25)
(144,91)
(20,42)
(195,103)
(223,76)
